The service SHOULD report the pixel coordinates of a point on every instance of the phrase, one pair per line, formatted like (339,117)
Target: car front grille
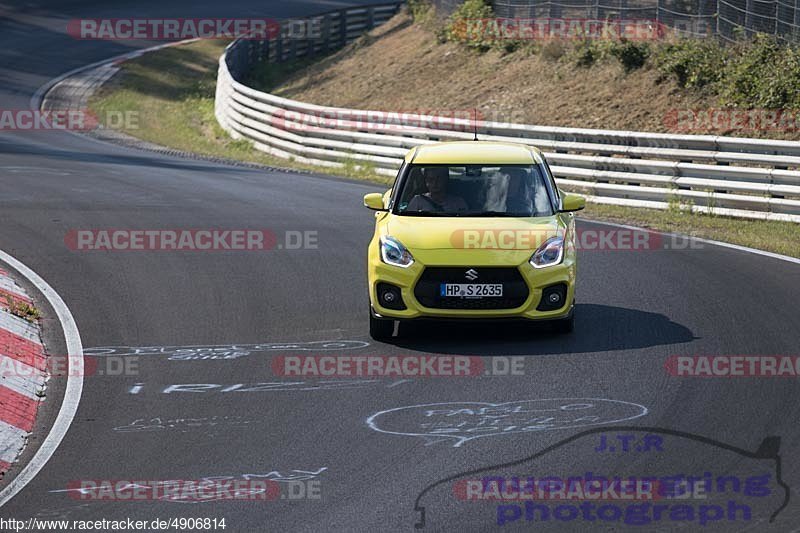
(515,290)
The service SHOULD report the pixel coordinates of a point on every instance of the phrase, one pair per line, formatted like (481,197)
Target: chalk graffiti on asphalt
(212,484)
(460,422)
(275,386)
(181,424)
(61,513)
(225,351)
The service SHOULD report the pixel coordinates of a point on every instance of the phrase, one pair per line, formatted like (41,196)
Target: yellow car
(472,230)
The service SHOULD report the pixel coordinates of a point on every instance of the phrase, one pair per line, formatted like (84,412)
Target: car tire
(380,329)
(565,325)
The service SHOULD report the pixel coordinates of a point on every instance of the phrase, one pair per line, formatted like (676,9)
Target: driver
(437,197)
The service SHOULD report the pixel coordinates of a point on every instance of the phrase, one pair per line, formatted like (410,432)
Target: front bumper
(406,279)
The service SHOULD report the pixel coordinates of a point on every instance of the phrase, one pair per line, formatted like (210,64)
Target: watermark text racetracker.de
(394,120)
(589,487)
(395,366)
(174,29)
(733,366)
(295,484)
(732,119)
(79,120)
(537,29)
(194,491)
(71,366)
(616,239)
(203,240)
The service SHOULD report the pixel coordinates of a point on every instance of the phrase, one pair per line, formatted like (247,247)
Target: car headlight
(395,254)
(550,253)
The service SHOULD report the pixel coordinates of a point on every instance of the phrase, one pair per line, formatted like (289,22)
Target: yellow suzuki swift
(472,230)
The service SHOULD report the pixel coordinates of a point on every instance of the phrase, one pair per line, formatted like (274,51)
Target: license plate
(470,290)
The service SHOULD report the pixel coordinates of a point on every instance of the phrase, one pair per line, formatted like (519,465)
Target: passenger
(518,197)
(437,198)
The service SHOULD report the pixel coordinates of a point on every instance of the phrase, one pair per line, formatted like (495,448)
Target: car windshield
(474,190)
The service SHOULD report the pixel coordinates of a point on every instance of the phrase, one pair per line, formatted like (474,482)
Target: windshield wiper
(493,214)
(464,214)
(424,214)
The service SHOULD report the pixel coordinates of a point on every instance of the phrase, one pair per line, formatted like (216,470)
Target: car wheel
(380,329)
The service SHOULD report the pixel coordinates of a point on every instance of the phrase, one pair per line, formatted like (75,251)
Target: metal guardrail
(308,36)
(751,178)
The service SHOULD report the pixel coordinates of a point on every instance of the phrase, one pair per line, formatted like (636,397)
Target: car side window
(552,187)
(397,181)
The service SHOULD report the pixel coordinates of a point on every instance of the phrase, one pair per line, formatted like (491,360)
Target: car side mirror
(374,201)
(572,202)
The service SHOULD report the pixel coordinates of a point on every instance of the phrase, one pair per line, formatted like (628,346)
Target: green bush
(586,52)
(764,73)
(420,10)
(461,26)
(756,73)
(632,55)
(693,63)
(761,72)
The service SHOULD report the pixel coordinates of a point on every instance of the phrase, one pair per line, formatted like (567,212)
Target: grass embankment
(668,85)
(170,96)
(173,93)
(779,237)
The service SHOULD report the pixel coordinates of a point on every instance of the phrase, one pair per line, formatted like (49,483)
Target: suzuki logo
(471,274)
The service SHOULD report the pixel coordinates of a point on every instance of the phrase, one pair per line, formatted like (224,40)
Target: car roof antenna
(475,125)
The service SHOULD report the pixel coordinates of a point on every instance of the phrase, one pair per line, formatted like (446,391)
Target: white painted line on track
(37,99)
(74,388)
(698,239)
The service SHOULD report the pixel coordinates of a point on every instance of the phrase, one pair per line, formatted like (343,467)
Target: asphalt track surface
(634,310)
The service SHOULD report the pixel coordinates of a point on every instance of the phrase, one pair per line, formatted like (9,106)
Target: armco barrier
(732,176)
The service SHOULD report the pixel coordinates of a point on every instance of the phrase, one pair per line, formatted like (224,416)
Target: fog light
(390,297)
(553,297)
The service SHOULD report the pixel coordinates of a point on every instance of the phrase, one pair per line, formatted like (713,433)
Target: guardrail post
(279,44)
(796,19)
(658,12)
(292,48)
(777,14)
(370,18)
(326,33)
(342,28)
